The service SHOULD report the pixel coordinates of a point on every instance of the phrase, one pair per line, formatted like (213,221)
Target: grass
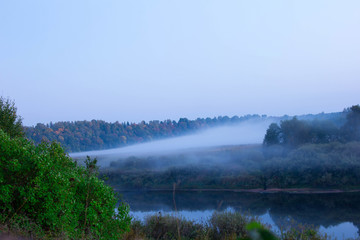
(225,225)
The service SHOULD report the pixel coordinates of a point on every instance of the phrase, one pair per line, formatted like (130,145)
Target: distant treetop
(294,132)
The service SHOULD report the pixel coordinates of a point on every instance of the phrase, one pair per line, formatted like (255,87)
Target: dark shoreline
(257,190)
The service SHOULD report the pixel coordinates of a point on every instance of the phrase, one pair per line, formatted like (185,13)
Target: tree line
(320,166)
(297,153)
(293,133)
(97,134)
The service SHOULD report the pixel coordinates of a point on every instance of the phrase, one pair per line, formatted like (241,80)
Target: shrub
(228,224)
(42,185)
(168,227)
(303,232)
(9,121)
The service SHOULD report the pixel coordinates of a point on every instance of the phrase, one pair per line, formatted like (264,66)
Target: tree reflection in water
(320,210)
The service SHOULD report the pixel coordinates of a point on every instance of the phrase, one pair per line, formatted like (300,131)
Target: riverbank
(255,190)
(221,225)
(333,167)
(335,214)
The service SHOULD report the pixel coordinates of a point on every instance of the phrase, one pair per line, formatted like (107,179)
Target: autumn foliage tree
(97,134)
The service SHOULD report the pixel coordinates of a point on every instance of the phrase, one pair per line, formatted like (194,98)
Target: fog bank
(250,132)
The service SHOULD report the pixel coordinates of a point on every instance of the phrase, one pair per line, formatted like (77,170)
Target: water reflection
(337,214)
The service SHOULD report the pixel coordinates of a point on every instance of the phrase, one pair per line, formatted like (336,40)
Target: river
(336,214)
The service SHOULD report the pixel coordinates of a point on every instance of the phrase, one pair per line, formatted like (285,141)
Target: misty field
(323,166)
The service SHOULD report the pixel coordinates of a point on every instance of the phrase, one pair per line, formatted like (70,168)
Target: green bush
(221,225)
(10,122)
(303,232)
(227,224)
(42,185)
(169,227)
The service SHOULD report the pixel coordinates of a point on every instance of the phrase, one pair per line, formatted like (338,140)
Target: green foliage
(302,232)
(166,227)
(259,232)
(332,165)
(293,133)
(9,121)
(221,225)
(273,135)
(351,129)
(43,186)
(228,224)
(97,134)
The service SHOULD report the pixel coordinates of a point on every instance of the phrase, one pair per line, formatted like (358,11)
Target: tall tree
(10,122)
(273,135)
(351,129)
(295,132)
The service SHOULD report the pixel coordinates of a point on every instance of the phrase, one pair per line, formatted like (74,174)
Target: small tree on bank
(10,122)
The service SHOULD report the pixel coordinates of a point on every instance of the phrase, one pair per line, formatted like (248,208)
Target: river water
(336,214)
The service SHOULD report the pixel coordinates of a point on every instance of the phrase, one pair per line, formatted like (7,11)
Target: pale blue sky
(144,60)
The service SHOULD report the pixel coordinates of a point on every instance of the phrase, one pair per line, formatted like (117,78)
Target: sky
(65,60)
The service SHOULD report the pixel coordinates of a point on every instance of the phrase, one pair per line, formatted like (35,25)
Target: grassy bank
(312,166)
(221,225)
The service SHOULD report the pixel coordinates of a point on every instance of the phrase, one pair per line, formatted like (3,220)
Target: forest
(295,154)
(322,166)
(98,135)
(293,133)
